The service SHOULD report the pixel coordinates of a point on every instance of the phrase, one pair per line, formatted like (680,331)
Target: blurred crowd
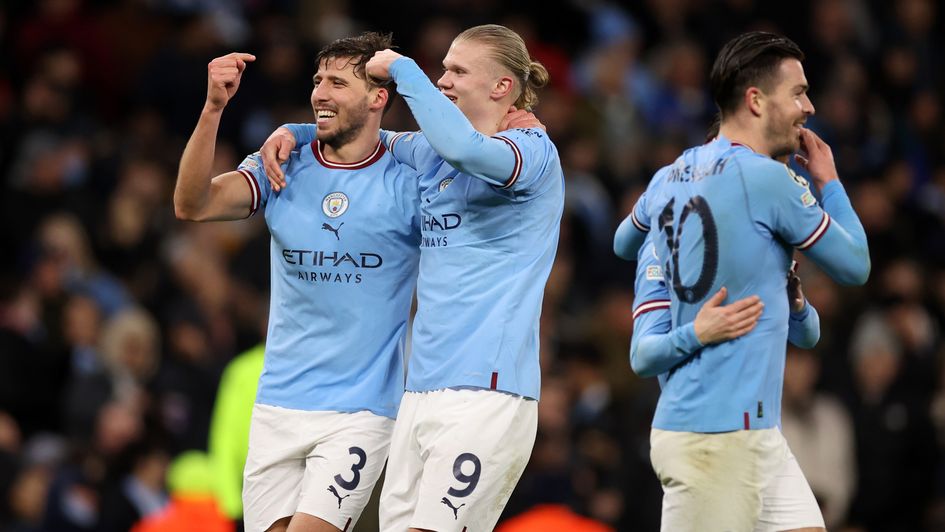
(117,321)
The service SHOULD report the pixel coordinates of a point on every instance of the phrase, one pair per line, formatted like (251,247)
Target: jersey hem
(390,414)
(468,387)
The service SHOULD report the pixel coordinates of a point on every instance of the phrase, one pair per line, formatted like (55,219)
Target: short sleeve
(252,170)
(533,154)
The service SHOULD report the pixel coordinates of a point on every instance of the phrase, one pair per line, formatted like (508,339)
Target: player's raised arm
(407,146)
(832,236)
(842,250)
(463,141)
(288,137)
(227,196)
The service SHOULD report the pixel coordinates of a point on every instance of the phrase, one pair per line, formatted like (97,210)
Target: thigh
(476,443)
(275,466)
(404,466)
(710,481)
(343,467)
(789,503)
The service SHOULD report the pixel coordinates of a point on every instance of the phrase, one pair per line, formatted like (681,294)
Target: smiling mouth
(324,116)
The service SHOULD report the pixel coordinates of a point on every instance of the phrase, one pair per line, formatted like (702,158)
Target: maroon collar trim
(364,163)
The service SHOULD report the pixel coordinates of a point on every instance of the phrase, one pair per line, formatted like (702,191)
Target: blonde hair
(509,50)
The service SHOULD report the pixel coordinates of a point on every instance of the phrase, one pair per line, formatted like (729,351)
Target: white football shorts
(456,456)
(316,462)
(747,480)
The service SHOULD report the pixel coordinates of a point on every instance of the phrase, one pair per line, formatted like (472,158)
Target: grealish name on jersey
(685,173)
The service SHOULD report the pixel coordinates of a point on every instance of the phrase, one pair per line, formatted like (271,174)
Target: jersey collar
(735,144)
(364,163)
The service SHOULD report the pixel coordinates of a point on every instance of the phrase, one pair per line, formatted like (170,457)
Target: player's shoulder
(764,173)
(774,183)
(660,177)
(408,138)
(253,161)
(530,134)
(398,173)
(302,159)
(534,140)
(748,160)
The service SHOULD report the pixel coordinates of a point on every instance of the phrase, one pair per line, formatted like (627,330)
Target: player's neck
(358,149)
(746,136)
(487,122)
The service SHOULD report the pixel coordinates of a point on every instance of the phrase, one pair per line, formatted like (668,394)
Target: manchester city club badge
(335,204)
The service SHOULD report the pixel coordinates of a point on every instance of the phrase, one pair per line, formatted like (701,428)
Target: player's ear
(503,87)
(379,99)
(754,99)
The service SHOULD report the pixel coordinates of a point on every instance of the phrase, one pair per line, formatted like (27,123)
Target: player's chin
(326,135)
(794,145)
(791,144)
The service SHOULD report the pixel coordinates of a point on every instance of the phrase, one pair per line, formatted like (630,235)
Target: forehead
(467,53)
(338,67)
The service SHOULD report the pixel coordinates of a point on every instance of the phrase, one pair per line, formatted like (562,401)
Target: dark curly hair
(358,50)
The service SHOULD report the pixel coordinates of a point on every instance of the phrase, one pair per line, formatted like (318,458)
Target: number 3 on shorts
(356,469)
(471,480)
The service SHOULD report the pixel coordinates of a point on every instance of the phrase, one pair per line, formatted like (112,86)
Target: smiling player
(491,203)
(728,214)
(344,258)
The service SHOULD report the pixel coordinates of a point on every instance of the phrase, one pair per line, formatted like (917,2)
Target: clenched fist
(378,67)
(223,78)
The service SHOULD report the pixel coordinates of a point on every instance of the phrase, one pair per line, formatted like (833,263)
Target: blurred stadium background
(117,321)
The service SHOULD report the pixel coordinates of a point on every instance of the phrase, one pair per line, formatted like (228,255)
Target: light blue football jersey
(344,256)
(490,214)
(656,347)
(491,209)
(722,215)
